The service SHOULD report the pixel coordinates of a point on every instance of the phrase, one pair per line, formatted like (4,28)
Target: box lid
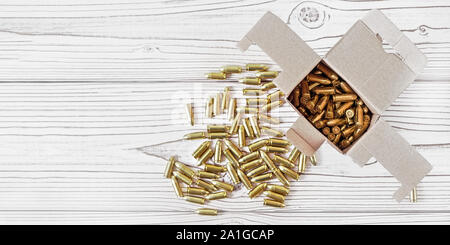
(285,47)
(378,77)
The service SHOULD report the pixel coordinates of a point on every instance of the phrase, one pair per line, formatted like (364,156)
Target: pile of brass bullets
(259,158)
(332,106)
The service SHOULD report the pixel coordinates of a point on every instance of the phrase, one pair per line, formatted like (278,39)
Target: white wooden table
(92,94)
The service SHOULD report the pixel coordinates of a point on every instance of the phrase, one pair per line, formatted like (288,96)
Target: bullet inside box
(376,76)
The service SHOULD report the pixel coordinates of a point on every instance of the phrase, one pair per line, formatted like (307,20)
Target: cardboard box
(376,76)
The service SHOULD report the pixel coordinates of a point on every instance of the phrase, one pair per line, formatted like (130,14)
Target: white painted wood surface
(91,98)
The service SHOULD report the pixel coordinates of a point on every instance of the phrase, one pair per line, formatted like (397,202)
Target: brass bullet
(257,145)
(209,108)
(365,109)
(225,98)
(318,78)
(324,90)
(283,161)
(318,117)
(346,88)
(196,191)
(271,132)
(274,168)
(413,195)
(267,74)
(269,202)
(272,105)
(257,171)
(251,165)
(207,211)
(176,186)
(293,157)
(313,85)
(360,131)
(257,190)
(275,196)
(296,95)
(320,124)
(248,128)
(337,138)
(231,158)
(233,148)
(219,135)
(223,185)
(255,127)
(340,110)
(275,149)
(183,177)
(252,91)
(359,117)
(327,71)
(217,109)
(331,136)
(218,152)
(268,119)
(194,199)
(348,131)
(277,95)
(337,121)
(190,113)
(235,124)
(214,168)
(278,142)
(241,136)
(231,109)
(278,189)
(205,184)
(185,169)
(344,97)
(256,101)
(311,104)
(212,128)
(244,179)
(320,106)
(169,167)
(217,195)
(205,157)
(330,110)
(207,175)
(195,135)
(248,110)
(216,75)
(249,157)
(289,172)
(233,174)
(326,131)
(302,163)
(201,149)
(250,80)
(231,69)
(268,86)
(256,67)
(261,178)
(305,90)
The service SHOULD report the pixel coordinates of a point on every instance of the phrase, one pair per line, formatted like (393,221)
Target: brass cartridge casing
(190,113)
(195,135)
(235,124)
(267,74)
(185,169)
(324,90)
(213,128)
(233,148)
(274,168)
(198,200)
(256,101)
(330,110)
(196,191)
(337,138)
(248,128)
(256,67)
(205,157)
(270,202)
(244,179)
(218,152)
(252,91)
(318,117)
(260,178)
(326,131)
(275,149)
(251,165)
(359,117)
(250,80)
(209,107)
(277,95)
(231,109)
(233,174)
(214,168)
(216,75)
(302,163)
(345,143)
(249,157)
(217,109)
(318,78)
(336,129)
(278,189)
(257,171)
(248,110)
(289,172)
(346,88)
(207,211)
(348,131)
(230,157)
(283,161)
(349,113)
(296,95)
(176,186)
(183,177)
(257,190)
(337,121)
(341,110)
(222,185)
(207,175)
(217,195)
(413,195)
(331,136)
(313,85)
(278,142)
(257,145)
(344,97)
(205,184)
(305,90)
(255,127)
(169,167)
(275,196)
(225,98)
(320,124)
(311,104)
(201,149)
(219,135)
(268,119)
(231,69)
(327,71)
(241,136)
(271,132)
(293,157)
(320,106)
(268,86)
(272,106)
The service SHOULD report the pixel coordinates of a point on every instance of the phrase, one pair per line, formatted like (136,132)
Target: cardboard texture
(376,76)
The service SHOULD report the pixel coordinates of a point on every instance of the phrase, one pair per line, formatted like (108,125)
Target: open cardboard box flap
(376,76)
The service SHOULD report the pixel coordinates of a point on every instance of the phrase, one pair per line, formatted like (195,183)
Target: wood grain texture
(92,98)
